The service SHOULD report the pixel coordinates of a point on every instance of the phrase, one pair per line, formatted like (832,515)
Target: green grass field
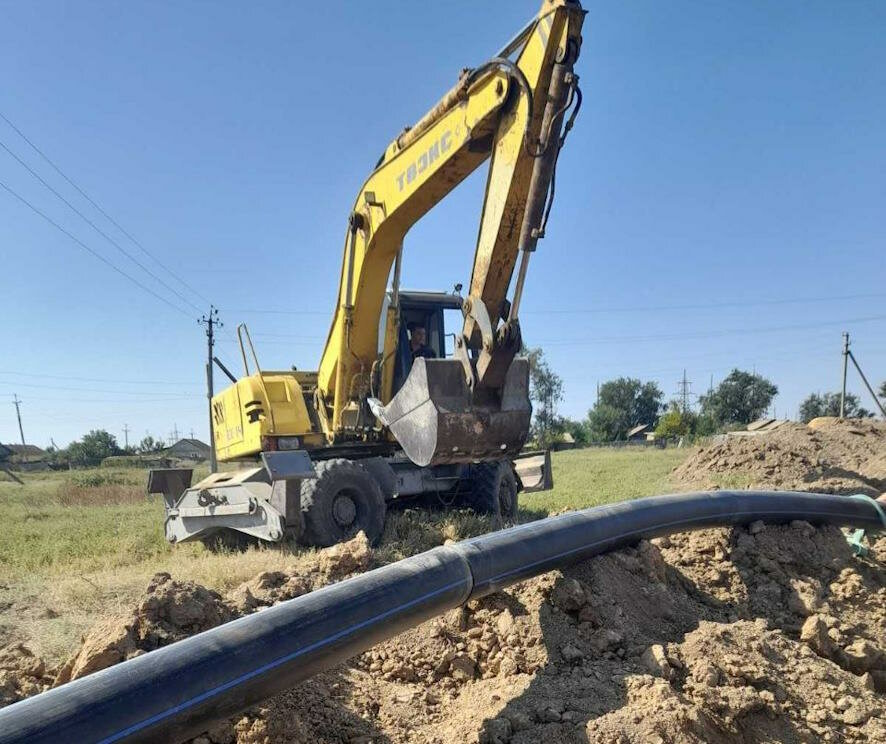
(76,546)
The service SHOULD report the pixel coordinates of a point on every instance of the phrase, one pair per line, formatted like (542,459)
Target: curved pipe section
(178,691)
(500,559)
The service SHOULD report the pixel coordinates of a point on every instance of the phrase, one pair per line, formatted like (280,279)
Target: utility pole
(16,402)
(845,368)
(211,322)
(867,384)
(126,431)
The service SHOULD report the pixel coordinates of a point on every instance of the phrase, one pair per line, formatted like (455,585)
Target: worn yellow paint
(242,413)
(397,201)
(487,121)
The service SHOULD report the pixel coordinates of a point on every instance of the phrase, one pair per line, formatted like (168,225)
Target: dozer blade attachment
(437,419)
(534,471)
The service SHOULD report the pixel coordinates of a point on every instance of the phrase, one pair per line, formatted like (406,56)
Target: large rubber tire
(494,490)
(342,500)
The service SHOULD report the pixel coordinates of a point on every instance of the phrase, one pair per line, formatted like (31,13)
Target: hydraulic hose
(180,690)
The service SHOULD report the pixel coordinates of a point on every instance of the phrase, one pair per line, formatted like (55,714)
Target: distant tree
(741,398)
(828,404)
(92,448)
(882,391)
(623,404)
(705,425)
(546,391)
(675,422)
(148,445)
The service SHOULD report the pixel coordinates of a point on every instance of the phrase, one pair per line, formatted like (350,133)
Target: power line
(289,336)
(140,393)
(279,312)
(96,379)
(95,253)
(99,208)
(714,305)
(709,334)
(97,228)
(630,308)
(117,401)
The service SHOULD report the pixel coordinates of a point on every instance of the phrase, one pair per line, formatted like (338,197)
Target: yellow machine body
(260,410)
(509,112)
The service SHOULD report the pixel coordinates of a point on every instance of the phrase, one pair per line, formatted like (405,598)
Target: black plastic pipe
(179,691)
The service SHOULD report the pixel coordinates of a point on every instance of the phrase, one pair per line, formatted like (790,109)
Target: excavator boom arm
(508,111)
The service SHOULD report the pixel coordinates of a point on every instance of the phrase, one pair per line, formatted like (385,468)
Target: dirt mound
(172,610)
(835,456)
(743,682)
(315,570)
(21,674)
(702,637)
(726,635)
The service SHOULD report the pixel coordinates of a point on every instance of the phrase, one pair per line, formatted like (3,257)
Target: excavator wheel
(494,491)
(342,500)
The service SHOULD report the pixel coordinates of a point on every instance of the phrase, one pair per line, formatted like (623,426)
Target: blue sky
(720,202)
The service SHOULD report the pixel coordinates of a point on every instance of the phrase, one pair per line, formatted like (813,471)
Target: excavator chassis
(266,501)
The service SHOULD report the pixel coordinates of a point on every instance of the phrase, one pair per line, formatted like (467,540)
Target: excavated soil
(752,634)
(828,456)
(757,634)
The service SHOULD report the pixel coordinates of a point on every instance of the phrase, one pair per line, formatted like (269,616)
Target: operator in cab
(418,337)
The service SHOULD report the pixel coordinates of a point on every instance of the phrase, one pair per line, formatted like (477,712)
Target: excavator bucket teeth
(437,419)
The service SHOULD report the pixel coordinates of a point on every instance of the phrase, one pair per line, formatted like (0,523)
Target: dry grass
(106,495)
(80,546)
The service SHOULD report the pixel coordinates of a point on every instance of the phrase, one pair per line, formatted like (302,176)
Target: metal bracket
(171,482)
(474,309)
(291,465)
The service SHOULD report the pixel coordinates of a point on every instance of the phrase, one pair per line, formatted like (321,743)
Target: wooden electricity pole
(211,322)
(847,355)
(845,368)
(16,402)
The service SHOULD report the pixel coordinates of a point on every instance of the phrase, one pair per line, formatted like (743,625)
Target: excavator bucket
(437,419)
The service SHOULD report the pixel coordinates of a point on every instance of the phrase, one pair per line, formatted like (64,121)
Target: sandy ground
(753,634)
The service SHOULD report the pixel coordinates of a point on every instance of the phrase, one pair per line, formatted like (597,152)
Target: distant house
(25,457)
(639,433)
(564,442)
(760,426)
(189,449)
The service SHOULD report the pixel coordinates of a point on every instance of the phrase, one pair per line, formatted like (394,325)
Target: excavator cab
(435,412)
(427,310)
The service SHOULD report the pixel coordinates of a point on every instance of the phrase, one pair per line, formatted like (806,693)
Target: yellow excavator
(320,454)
